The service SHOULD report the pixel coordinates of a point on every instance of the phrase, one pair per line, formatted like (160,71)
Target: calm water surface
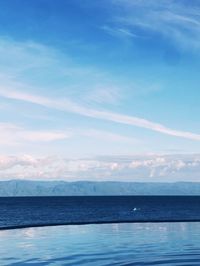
(29,211)
(103,245)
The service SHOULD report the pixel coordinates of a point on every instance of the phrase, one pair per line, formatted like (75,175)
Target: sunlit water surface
(106,244)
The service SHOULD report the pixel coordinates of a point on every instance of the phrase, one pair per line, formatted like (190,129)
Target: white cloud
(160,168)
(70,106)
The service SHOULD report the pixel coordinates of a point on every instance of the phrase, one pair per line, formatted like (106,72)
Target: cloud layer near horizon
(149,168)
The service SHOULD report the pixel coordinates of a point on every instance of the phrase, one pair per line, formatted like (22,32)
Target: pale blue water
(102,245)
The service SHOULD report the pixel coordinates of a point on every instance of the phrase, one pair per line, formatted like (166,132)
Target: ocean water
(170,244)
(33,211)
(148,240)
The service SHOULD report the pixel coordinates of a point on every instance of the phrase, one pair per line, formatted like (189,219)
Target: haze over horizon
(100,90)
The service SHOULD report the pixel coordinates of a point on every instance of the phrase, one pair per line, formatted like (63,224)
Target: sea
(100,231)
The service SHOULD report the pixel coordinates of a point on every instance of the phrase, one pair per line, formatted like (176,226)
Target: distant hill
(88,188)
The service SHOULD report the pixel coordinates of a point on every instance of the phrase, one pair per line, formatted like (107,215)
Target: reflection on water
(106,244)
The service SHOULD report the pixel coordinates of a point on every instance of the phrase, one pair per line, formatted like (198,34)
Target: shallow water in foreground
(103,245)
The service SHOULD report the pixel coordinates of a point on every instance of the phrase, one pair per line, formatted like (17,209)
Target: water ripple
(164,244)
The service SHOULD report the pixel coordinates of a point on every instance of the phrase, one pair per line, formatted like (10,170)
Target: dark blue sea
(26,211)
(136,231)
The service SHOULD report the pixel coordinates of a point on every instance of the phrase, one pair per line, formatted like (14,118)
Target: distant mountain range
(88,188)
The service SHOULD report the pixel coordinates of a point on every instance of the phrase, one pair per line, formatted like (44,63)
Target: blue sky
(86,80)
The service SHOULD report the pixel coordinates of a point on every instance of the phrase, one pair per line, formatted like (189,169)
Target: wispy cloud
(13,87)
(119,32)
(25,64)
(70,106)
(174,20)
(107,136)
(110,95)
(11,134)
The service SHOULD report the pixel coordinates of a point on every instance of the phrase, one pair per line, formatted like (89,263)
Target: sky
(100,90)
